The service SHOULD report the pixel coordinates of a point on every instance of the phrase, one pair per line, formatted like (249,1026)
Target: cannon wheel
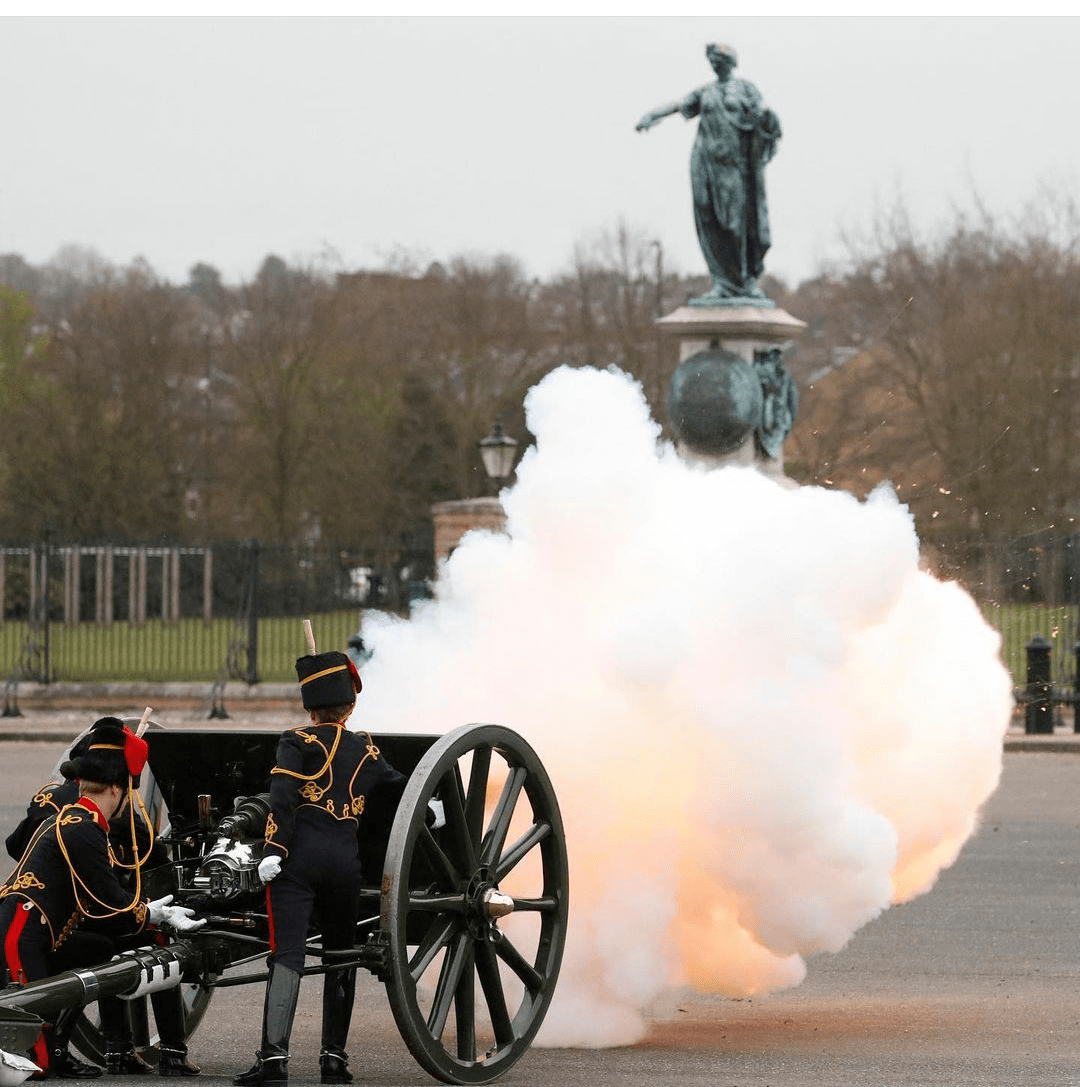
(442,921)
(89,1041)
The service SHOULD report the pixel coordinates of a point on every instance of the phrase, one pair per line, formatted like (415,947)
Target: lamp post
(497,451)
(659,305)
(659,275)
(452,520)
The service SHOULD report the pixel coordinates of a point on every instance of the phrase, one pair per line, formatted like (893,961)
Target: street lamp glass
(498,451)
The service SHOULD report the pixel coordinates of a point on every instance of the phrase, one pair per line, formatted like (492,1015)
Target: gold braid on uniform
(135,906)
(315,740)
(46,797)
(310,791)
(135,795)
(9,886)
(24,880)
(371,753)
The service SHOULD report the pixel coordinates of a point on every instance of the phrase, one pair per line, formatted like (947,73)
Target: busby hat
(108,753)
(327,679)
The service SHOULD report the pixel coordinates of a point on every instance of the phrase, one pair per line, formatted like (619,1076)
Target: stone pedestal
(743,330)
(740,329)
(454,519)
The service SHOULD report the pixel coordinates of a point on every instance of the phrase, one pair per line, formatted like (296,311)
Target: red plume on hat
(135,752)
(358,686)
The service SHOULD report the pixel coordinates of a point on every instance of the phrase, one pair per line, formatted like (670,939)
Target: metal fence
(79,613)
(87,613)
(1025,588)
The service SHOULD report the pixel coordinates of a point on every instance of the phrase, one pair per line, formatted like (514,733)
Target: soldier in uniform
(65,877)
(133,847)
(324,777)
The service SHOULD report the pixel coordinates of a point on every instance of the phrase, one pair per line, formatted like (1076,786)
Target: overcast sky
(224,139)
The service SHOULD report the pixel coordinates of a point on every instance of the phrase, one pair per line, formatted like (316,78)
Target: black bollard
(1039,709)
(11,699)
(217,702)
(1076,688)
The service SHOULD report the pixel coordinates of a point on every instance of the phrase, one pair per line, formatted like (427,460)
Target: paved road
(976,983)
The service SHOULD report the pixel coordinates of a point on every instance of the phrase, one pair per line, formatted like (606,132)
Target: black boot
(173,1060)
(334,1067)
(126,1062)
(269,1071)
(271,1067)
(120,1056)
(339,989)
(62,1063)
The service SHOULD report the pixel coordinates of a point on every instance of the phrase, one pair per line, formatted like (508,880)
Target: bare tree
(605,307)
(274,341)
(961,359)
(119,452)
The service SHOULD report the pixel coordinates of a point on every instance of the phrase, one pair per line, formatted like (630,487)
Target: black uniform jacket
(324,779)
(50,798)
(67,872)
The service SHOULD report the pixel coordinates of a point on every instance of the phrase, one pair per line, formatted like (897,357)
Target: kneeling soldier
(65,878)
(134,848)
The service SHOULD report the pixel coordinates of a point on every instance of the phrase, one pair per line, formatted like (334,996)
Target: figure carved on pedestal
(737,135)
(779,404)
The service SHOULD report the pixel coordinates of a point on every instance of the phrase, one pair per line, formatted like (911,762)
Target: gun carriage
(465,928)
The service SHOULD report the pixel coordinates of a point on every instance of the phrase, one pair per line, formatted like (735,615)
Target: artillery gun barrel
(134,973)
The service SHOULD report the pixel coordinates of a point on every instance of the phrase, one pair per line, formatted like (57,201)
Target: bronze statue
(736,137)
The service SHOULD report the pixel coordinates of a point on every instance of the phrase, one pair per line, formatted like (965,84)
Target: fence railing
(81,613)
(1026,588)
(208,614)
(1018,624)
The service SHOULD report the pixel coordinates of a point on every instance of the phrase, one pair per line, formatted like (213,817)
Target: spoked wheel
(475,911)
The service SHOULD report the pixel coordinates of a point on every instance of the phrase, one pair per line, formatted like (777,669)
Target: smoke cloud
(763,721)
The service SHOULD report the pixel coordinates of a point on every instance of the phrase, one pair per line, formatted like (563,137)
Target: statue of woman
(736,137)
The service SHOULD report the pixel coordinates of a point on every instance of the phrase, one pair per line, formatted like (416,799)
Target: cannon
(464,925)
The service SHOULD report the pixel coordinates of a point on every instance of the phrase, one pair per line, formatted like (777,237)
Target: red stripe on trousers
(11,946)
(39,1052)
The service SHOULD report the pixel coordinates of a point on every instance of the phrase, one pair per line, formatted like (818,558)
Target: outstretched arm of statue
(656,115)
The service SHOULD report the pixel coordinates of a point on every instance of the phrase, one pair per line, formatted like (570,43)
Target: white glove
(437,809)
(269,867)
(182,919)
(179,918)
(156,909)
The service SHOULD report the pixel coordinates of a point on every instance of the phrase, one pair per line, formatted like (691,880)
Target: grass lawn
(1019,623)
(196,652)
(185,651)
